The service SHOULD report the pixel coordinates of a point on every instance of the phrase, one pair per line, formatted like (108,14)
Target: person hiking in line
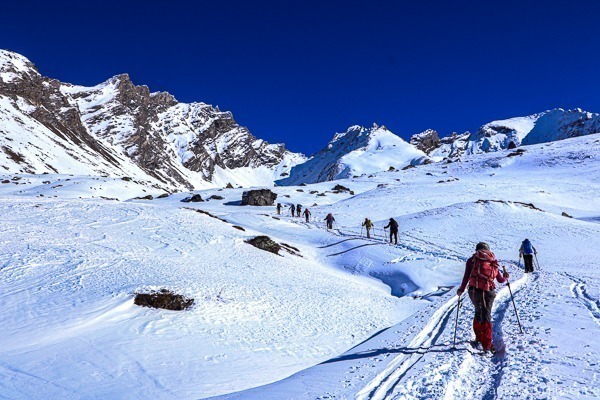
(527,251)
(329,218)
(480,272)
(368,225)
(393,225)
(298,210)
(278,208)
(293,210)
(306,214)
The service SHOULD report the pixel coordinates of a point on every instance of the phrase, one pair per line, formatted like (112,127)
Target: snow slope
(356,152)
(351,318)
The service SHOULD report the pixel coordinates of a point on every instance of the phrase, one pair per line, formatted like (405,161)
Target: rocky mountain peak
(15,67)
(426,140)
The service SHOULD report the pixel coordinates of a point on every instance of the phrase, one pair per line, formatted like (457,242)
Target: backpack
(484,271)
(526,247)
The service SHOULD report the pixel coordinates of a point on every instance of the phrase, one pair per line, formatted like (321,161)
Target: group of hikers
(392,224)
(481,270)
(296,210)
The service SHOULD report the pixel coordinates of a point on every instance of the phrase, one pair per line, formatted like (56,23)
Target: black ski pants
(528,261)
(394,235)
(482,300)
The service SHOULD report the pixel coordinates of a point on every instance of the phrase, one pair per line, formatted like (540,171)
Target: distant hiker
(368,225)
(329,218)
(293,210)
(527,251)
(298,210)
(480,272)
(393,225)
(306,214)
(278,208)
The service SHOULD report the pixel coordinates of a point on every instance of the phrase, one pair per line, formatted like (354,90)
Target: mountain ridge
(118,128)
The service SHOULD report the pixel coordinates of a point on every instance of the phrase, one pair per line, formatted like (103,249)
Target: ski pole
(456,323)
(519,265)
(361,229)
(513,301)
(537,262)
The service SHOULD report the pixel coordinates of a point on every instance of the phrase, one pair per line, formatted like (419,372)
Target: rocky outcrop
(426,141)
(120,124)
(265,243)
(163,299)
(261,197)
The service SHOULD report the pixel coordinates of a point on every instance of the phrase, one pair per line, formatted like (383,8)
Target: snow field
(70,267)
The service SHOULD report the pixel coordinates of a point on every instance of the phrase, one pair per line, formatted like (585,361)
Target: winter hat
(482,246)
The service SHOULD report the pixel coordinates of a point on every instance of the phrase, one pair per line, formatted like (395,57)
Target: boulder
(193,199)
(265,243)
(163,299)
(148,197)
(341,188)
(260,197)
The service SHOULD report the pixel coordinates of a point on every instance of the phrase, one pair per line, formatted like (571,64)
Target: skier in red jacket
(480,272)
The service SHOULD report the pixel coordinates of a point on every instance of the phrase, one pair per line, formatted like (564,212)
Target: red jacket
(481,271)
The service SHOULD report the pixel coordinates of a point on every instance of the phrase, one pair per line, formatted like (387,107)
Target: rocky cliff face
(426,141)
(179,145)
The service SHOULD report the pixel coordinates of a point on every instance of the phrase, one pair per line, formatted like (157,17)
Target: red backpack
(484,271)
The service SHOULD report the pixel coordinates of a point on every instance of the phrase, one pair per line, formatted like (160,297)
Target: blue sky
(297,72)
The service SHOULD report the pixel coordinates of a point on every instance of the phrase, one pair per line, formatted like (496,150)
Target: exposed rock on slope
(118,128)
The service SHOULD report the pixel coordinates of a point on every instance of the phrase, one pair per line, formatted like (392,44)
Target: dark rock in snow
(426,141)
(163,299)
(564,214)
(340,188)
(192,199)
(216,197)
(229,186)
(149,197)
(163,196)
(239,228)
(265,243)
(260,197)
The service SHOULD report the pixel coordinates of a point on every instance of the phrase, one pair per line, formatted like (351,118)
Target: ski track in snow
(433,346)
(579,292)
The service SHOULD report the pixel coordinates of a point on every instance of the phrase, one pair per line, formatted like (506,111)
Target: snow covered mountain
(117,128)
(547,126)
(356,152)
(559,124)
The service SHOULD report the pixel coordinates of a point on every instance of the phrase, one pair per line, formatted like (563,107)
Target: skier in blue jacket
(527,251)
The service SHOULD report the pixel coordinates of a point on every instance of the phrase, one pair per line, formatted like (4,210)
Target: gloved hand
(506,275)
(459,292)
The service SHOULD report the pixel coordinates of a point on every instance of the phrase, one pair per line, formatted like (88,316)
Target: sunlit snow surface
(71,262)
